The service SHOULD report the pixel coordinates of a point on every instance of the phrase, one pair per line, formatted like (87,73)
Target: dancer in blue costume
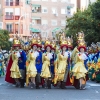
(38,64)
(22,66)
(54,56)
(17,67)
(90,63)
(97,72)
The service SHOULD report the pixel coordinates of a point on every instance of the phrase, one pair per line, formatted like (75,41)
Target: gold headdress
(16,43)
(81,41)
(34,42)
(95,47)
(39,42)
(89,50)
(64,43)
(98,45)
(53,45)
(70,42)
(48,43)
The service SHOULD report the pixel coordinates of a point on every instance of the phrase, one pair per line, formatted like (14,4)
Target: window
(66,1)
(36,8)
(1,25)
(54,22)
(44,10)
(44,22)
(9,27)
(0,6)
(33,22)
(44,34)
(28,1)
(9,2)
(9,15)
(63,23)
(35,0)
(54,0)
(54,11)
(44,0)
(17,11)
(63,11)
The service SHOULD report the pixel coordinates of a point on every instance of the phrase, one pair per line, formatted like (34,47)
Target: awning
(35,30)
(56,29)
(36,18)
(35,5)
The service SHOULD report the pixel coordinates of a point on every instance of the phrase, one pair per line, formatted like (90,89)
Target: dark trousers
(38,80)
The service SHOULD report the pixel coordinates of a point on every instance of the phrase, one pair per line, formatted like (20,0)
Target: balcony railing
(17,17)
(9,3)
(12,17)
(9,17)
(13,3)
(14,31)
(11,31)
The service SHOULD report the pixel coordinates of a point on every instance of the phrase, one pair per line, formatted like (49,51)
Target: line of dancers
(47,63)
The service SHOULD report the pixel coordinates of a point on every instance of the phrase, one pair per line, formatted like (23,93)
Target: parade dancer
(97,71)
(91,64)
(47,56)
(31,68)
(79,70)
(15,71)
(69,61)
(1,63)
(22,67)
(61,65)
(8,72)
(52,61)
(38,64)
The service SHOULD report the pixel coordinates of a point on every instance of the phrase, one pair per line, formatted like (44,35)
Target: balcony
(14,31)
(13,3)
(11,31)
(17,17)
(12,17)
(9,17)
(9,3)
(36,8)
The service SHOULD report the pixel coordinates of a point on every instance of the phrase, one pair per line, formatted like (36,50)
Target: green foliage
(4,39)
(87,21)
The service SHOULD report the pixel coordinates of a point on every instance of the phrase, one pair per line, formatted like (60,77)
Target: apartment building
(1,14)
(81,4)
(49,16)
(25,17)
(11,15)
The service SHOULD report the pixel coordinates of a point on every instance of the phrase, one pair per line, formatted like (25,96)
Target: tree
(95,11)
(4,39)
(86,21)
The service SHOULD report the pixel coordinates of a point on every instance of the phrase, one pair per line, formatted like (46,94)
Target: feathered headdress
(53,45)
(48,43)
(70,42)
(64,43)
(16,42)
(81,41)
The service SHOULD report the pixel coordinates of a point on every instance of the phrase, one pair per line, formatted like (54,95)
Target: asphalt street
(10,92)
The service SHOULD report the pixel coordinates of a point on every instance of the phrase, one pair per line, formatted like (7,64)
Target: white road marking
(96,91)
(93,84)
(1,83)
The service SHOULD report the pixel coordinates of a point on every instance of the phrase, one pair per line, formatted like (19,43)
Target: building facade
(81,4)
(49,16)
(25,17)
(11,15)
(1,15)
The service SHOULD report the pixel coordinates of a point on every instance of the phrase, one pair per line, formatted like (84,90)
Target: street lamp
(19,22)
(24,15)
